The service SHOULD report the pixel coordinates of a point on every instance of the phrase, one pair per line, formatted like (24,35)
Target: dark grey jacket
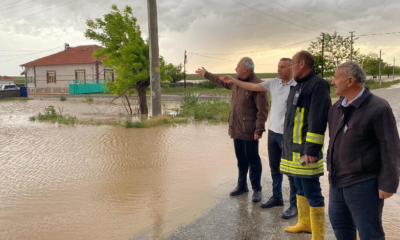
(364,143)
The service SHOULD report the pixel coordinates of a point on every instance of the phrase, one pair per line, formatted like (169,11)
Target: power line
(19,50)
(263,50)
(39,12)
(25,8)
(314,24)
(377,34)
(20,5)
(316,21)
(274,16)
(224,59)
(12,3)
(31,54)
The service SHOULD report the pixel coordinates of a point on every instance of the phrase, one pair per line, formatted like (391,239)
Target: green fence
(86,86)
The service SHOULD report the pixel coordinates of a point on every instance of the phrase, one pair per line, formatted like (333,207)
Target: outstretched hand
(227,79)
(201,71)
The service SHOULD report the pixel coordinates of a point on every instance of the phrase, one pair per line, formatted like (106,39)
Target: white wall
(30,77)
(64,73)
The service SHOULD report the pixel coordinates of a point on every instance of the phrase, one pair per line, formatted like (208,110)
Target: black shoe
(239,190)
(272,202)
(257,196)
(291,212)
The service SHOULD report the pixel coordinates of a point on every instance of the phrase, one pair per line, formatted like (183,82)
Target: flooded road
(107,182)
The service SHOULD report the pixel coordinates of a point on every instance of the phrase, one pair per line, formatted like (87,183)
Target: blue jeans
(311,189)
(275,153)
(356,207)
(248,157)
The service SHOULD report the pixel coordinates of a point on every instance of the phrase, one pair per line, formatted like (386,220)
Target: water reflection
(87,182)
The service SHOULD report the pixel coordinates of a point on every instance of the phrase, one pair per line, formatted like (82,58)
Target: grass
(260,75)
(156,121)
(16,99)
(218,91)
(89,99)
(51,115)
(210,111)
(370,84)
(63,98)
(190,110)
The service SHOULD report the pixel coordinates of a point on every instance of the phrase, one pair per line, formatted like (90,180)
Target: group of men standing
(363,156)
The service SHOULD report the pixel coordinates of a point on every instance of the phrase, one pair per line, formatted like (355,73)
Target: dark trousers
(356,207)
(275,153)
(311,189)
(248,157)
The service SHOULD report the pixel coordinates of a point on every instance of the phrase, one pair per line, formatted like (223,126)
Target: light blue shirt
(345,99)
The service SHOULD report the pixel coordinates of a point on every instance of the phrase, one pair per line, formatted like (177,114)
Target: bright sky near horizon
(216,34)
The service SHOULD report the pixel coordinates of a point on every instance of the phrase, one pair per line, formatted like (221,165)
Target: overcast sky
(30,29)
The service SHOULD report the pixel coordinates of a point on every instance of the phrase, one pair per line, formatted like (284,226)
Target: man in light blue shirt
(279,89)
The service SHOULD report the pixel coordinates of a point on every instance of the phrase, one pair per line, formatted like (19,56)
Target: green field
(19,80)
(260,75)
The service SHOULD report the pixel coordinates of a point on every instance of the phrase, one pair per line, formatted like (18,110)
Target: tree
(370,63)
(337,49)
(126,51)
(318,64)
(388,69)
(176,73)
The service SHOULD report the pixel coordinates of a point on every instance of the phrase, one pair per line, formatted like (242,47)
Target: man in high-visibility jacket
(303,138)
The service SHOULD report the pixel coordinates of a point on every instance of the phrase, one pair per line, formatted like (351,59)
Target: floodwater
(108,182)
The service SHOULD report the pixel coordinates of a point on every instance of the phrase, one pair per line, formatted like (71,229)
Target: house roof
(71,55)
(5,78)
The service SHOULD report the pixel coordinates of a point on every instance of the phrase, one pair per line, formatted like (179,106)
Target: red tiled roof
(72,55)
(6,78)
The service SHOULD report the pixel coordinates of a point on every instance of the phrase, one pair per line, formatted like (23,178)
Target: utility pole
(184,69)
(155,82)
(322,55)
(351,51)
(351,44)
(394,61)
(380,60)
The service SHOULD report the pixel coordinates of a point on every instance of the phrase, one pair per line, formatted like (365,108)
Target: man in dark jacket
(306,118)
(249,111)
(363,156)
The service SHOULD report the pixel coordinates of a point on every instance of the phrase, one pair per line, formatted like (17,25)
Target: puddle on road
(88,182)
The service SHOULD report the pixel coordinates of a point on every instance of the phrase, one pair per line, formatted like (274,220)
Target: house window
(80,75)
(30,79)
(51,76)
(109,75)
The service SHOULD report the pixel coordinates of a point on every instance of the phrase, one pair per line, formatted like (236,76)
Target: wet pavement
(107,182)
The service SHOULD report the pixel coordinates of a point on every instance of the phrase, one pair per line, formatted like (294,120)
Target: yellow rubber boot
(317,223)
(303,221)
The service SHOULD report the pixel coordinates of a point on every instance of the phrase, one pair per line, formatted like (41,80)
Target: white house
(53,74)
(6,80)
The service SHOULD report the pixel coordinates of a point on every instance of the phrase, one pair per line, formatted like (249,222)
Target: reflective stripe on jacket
(305,126)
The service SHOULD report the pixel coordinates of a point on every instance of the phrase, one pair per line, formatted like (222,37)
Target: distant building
(6,80)
(54,73)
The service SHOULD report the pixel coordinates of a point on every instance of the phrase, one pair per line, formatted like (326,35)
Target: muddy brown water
(107,182)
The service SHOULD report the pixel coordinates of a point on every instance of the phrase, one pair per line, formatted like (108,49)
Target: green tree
(337,49)
(126,51)
(387,69)
(370,63)
(175,72)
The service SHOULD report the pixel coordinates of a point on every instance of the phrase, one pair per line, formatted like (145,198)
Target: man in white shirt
(279,89)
